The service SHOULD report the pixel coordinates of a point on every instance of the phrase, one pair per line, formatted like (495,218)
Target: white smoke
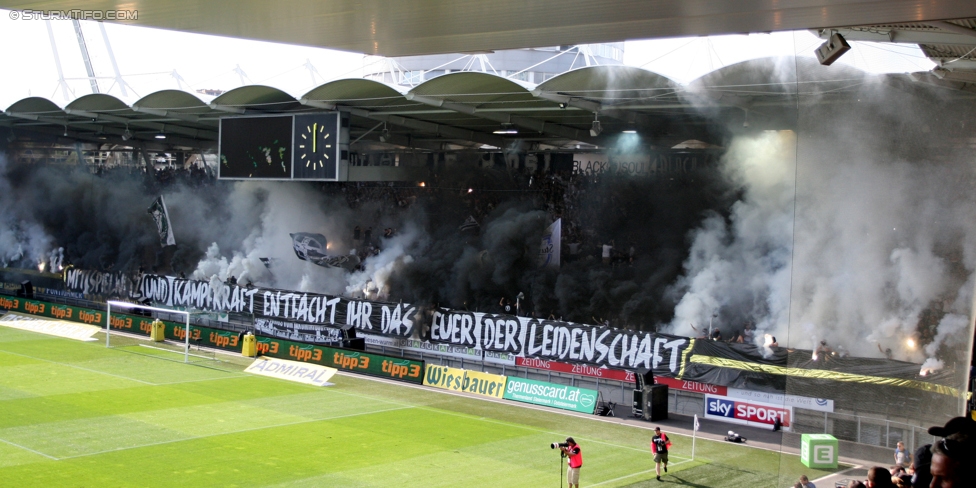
(21,236)
(743,263)
(373,282)
(877,245)
(276,210)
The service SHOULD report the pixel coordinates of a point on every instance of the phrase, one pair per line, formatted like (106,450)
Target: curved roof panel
(774,76)
(361,93)
(478,89)
(173,100)
(98,102)
(609,84)
(36,106)
(257,97)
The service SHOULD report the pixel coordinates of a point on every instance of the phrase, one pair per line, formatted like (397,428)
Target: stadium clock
(316,147)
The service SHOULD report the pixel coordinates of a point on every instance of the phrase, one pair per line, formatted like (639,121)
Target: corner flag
(696,422)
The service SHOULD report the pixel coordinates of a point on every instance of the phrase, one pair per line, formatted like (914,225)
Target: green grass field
(81,415)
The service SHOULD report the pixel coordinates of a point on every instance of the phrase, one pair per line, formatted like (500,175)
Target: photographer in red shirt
(572,450)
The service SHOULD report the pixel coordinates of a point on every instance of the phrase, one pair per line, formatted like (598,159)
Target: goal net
(121,307)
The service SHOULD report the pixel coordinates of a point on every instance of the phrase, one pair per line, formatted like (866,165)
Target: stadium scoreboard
(310,146)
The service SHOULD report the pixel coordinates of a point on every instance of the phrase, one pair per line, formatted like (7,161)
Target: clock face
(316,146)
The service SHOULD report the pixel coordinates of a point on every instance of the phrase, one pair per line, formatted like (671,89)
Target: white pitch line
(175,351)
(78,367)
(233,375)
(28,449)
(231,433)
(637,474)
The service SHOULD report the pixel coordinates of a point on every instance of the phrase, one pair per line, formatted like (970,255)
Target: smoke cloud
(851,222)
(875,248)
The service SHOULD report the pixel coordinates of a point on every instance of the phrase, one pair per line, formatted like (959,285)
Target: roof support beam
(227,108)
(443,130)
(955,29)
(590,106)
(175,129)
(167,113)
(531,123)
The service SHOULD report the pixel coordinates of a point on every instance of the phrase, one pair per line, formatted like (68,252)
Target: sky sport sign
(746,412)
(550,395)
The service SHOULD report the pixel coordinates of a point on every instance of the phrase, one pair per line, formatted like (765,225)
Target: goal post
(127,306)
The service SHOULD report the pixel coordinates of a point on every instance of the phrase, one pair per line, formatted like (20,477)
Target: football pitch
(79,414)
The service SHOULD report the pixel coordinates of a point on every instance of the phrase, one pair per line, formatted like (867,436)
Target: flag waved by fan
(161,216)
(313,248)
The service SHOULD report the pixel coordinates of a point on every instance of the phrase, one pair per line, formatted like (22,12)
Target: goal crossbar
(127,305)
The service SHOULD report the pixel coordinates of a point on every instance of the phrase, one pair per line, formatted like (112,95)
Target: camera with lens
(558,444)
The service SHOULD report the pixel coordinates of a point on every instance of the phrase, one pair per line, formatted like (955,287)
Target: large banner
(100,284)
(315,334)
(644,164)
(396,319)
(445,350)
(560,341)
(550,395)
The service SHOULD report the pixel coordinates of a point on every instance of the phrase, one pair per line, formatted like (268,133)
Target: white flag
(161,216)
(696,422)
(551,241)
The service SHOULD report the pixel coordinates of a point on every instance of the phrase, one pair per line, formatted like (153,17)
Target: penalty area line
(77,367)
(276,426)
(637,474)
(29,449)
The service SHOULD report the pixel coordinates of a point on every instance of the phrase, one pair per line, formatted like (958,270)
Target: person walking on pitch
(659,447)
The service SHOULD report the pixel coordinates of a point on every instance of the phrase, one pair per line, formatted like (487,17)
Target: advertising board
(550,395)
(746,412)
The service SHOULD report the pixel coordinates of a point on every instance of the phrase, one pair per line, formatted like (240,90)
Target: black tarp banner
(100,284)
(312,334)
(560,341)
(393,319)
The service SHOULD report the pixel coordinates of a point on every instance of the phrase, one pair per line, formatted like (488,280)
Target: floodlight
(596,128)
(126,135)
(834,48)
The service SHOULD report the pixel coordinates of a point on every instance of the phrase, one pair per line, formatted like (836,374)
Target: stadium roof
(466,110)
(411,27)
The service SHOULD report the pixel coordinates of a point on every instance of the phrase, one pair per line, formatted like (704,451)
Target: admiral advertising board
(746,412)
